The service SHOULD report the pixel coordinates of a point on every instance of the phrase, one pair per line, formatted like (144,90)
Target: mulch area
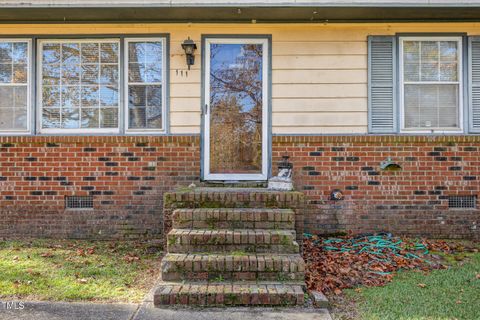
(334,264)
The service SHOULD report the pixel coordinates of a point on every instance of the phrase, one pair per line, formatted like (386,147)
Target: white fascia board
(235,3)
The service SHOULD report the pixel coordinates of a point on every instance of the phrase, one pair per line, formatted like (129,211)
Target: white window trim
(461,105)
(265,111)
(39,102)
(28,131)
(126,83)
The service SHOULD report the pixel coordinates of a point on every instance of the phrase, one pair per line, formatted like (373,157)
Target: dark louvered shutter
(382,104)
(474,84)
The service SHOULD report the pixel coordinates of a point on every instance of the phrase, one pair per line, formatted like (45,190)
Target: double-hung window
(423,84)
(79,85)
(145,73)
(15,86)
(430,84)
(84,86)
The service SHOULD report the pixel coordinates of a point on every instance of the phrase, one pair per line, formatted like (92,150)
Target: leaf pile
(334,264)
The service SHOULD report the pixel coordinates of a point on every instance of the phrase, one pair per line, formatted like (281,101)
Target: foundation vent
(462,202)
(79,202)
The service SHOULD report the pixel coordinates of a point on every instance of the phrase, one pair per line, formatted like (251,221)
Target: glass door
(236,109)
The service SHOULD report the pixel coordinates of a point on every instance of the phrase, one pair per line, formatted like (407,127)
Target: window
(80,88)
(14,86)
(144,85)
(79,85)
(431,88)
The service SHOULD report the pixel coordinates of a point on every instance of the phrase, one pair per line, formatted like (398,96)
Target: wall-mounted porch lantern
(189,47)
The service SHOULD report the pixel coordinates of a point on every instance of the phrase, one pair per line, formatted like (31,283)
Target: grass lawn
(77,270)
(453,293)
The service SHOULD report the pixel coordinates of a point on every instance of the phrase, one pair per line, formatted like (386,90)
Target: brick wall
(410,201)
(126,175)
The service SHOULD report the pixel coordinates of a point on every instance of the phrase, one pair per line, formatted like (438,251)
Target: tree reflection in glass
(236,108)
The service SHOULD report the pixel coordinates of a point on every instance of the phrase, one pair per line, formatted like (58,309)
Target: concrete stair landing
(232,256)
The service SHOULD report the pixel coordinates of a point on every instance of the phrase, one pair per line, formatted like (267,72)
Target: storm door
(235,109)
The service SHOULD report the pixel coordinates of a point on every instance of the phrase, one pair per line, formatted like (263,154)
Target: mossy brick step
(232,246)
(234,218)
(233,198)
(236,266)
(253,240)
(228,294)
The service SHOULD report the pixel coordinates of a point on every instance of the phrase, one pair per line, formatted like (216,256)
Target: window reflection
(145,85)
(80,84)
(236,104)
(13,85)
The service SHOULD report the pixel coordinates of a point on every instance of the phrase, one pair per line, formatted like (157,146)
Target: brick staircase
(222,251)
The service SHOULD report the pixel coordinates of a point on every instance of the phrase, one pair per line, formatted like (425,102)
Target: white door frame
(207,175)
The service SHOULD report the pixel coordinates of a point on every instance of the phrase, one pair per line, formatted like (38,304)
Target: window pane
(108,118)
(5,73)
(90,53)
(51,118)
(108,96)
(51,96)
(145,106)
(109,74)
(154,117)
(6,94)
(137,118)
(70,118)
(70,97)
(5,52)
(90,73)
(137,96)
(154,96)
(20,52)
(429,63)
(109,53)
(6,118)
(80,84)
(51,74)
(411,58)
(90,118)
(90,96)
(431,106)
(430,60)
(20,73)
(14,78)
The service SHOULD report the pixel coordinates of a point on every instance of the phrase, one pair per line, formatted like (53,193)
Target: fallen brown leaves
(348,262)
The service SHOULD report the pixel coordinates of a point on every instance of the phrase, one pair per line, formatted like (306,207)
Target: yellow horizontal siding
(319,75)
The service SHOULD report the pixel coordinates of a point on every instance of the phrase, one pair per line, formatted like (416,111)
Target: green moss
(272,203)
(219,278)
(172,239)
(231,298)
(239,253)
(285,240)
(211,222)
(281,277)
(209,204)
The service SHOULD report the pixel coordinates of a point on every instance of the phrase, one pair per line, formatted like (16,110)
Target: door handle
(205,109)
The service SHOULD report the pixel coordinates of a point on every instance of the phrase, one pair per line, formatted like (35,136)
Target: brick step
(229,218)
(248,241)
(221,294)
(233,198)
(239,266)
